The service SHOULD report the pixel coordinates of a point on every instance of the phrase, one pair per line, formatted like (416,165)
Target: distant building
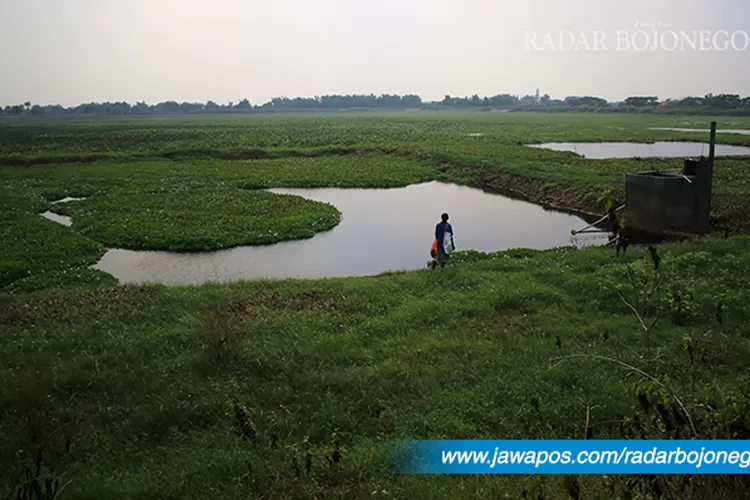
(537,99)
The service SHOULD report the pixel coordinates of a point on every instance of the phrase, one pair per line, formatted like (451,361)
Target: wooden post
(712,144)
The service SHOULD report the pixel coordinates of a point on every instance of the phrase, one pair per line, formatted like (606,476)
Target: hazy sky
(73,51)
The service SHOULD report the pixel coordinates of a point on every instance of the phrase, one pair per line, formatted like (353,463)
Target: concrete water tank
(677,200)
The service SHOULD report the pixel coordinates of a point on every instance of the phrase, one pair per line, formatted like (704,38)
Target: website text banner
(574,457)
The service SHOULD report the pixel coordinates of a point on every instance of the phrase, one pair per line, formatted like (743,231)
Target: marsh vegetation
(280,389)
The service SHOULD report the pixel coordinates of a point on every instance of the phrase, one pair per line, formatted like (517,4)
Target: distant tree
(504,100)
(372,101)
(725,101)
(585,101)
(52,110)
(244,105)
(688,102)
(167,107)
(411,101)
(120,108)
(527,100)
(191,107)
(642,101)
(140,108)
(88,108)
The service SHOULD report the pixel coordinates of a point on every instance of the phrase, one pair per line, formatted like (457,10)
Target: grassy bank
(145,393)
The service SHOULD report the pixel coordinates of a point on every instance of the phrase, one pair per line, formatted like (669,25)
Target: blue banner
(574,457)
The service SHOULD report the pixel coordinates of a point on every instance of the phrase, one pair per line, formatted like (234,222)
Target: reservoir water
(381,230)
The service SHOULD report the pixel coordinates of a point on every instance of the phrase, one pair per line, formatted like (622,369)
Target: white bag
(448,243)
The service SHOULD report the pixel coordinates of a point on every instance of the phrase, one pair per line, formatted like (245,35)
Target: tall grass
(284,388)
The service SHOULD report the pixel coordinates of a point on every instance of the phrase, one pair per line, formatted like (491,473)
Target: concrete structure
(676,200)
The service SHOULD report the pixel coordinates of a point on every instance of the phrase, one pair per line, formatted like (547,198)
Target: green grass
(134,387)
(149,373)
(448,130)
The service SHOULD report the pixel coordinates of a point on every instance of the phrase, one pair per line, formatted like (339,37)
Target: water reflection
(381,230)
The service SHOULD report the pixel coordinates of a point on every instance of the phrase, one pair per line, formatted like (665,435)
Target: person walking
(445,247)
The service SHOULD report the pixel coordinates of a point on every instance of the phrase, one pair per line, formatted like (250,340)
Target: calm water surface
(60,219)
(381,230)
(603,150)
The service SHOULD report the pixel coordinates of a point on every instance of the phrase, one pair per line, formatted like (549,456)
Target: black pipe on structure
(712,144)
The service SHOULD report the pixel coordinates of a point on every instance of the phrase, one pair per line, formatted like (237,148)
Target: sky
(75,51)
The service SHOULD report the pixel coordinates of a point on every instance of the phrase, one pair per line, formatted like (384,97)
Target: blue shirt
(440,230)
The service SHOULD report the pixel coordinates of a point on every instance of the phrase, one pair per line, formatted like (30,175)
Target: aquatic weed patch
(198,219)
(37,254)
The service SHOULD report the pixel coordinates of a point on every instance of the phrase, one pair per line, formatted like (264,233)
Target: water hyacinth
(199,219)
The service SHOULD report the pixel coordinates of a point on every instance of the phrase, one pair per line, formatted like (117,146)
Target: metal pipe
(593,231)
(712,143)
(574,232)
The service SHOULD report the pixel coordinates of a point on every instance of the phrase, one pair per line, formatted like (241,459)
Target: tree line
(708,102)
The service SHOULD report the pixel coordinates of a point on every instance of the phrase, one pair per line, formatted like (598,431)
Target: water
(381,230)
(603,150)
(719,131)
(68,199)
(60,219)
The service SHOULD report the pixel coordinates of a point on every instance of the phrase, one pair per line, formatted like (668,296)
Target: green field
(295,389)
